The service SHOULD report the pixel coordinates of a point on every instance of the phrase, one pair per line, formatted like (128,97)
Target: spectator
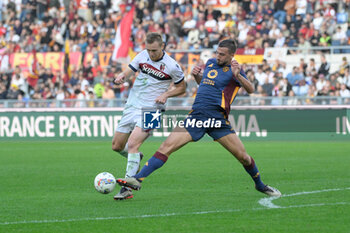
(324,68)
(325,40)
(301,7)
(303,66)
(252,79)
(345,65)
(311,67)
(290,7)
(268,87)
(3,91)
(315,38)
(270,75)
(108,93)
(346,78)
(210,23)
(321,82)
(99,89)
(280,41)
(310,94)
(317,21)
(280,13)
(329,13)
(243,33)
(80,99)
(295,76)
(60,94)
(345,93)
(259,92)
(302,89)
(292,100)
(278,100)
(90,99)
(13,92)
(304,45)
(260,76)
(274,32)
(339,38)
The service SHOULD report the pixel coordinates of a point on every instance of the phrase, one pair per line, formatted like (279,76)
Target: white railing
(311,50)
(240,101)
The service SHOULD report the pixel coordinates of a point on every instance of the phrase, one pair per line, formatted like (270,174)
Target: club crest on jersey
(162,67)
(212,74)
(225,69)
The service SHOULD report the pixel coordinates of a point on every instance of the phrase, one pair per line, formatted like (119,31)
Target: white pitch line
(267,201)
(164,215)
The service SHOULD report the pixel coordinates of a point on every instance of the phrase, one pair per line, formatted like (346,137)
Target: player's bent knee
(117,147)
(246,161)
(243,157)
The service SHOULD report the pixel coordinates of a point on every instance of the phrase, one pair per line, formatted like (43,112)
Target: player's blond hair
(154,37)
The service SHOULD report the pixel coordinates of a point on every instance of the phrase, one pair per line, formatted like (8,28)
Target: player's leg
(178,138)
(119,143)
(234,145)
(122,132)
(137,137)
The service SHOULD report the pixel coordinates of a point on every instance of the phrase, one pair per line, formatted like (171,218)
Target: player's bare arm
(178,89)
(236,68)
(197,73)
(123,76)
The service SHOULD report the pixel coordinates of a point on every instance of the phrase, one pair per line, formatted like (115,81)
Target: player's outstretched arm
(236,69)
(197,73)
(178,89)
(123,76)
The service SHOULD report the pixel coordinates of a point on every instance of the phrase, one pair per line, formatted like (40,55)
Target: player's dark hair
(230,44)
(154,37)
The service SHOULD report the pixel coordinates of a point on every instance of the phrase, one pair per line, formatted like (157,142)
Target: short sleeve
(134,64)
(177,74)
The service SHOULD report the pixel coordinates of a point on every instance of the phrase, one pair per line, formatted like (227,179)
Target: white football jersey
(153,80)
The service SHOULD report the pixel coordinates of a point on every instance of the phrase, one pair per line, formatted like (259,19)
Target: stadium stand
(315,36)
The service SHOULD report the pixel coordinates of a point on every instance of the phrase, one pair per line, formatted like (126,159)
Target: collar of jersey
(161,57)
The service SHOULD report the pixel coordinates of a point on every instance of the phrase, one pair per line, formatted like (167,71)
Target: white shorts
(131,117)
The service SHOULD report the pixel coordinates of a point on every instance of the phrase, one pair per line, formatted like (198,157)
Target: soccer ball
(104,182)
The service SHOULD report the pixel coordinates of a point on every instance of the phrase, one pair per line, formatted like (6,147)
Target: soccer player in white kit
(157,70)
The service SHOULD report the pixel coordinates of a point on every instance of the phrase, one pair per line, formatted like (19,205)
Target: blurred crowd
(305,80)
(186,25)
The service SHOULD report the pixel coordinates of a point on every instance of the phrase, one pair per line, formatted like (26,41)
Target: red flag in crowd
(67,71)
(122,41)
(33,75)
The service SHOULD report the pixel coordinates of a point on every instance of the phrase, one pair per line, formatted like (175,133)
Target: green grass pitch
(48,187)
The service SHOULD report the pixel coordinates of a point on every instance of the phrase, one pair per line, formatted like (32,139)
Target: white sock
(133,164)
(124,152)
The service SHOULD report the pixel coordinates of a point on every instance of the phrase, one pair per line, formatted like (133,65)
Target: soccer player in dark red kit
(219,83)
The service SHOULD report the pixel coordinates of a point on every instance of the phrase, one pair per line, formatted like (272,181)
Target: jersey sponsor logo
(153,72)
(212,74)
